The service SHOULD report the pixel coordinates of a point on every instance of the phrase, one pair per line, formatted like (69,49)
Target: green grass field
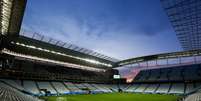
(113,97)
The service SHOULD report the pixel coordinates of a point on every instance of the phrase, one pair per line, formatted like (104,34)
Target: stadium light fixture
(6,51)
(63,54)
(5,14)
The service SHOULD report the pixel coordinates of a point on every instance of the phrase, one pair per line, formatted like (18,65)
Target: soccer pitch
(113,97)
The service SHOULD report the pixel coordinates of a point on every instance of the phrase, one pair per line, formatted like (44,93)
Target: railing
(73,47)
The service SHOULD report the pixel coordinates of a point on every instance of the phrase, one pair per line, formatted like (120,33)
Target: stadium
(38,68)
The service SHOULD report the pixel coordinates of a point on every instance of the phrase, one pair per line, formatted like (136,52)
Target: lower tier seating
(57,88)
(193,97)
(31,87)
(60,87)
(177,88)
(46,85)
(151,88)
(164,88)
(8,93)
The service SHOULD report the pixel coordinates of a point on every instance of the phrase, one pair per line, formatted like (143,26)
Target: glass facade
(185,17)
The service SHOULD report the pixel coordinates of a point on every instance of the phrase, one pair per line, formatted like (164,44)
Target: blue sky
(117,28)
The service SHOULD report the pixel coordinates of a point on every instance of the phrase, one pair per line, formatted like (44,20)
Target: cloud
(118,31)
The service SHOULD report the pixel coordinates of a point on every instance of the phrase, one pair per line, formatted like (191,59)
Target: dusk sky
(118,28)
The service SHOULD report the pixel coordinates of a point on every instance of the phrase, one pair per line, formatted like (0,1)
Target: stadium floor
(114,97)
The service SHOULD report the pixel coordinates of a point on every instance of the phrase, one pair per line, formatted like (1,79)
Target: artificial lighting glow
(6,51)
(6,12)
(63,54)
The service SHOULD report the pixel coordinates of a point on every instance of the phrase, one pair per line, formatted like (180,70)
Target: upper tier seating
(179,73)
(154,75)
(175,74)
(142,76)
(164,74)
(192,73)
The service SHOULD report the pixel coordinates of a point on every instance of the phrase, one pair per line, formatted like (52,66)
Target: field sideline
(114,97)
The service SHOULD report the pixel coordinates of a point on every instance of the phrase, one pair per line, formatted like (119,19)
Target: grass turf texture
(113,97)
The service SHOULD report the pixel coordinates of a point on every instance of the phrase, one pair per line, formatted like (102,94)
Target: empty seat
(31,87)
(102,88)
(124,86)
(154,74)
(13,83)
(132,88)
(72,87)
(141,88)
(189,88)
(193,97)
(114,87)
(142,76)
(190,73)
(151,88)
(60,87)
(175,74)
(47,86)
(8,93)
(91,87)
(177,88)
(163,88)
(164,74)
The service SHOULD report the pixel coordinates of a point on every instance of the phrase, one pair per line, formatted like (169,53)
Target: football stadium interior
(37,68)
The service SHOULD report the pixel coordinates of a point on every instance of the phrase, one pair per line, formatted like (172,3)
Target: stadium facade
(33,65)
(184,16)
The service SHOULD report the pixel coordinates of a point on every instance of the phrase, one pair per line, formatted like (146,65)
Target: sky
(117,28)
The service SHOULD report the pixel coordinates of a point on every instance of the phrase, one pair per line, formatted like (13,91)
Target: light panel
(63,54)
(6,51)
(5,15)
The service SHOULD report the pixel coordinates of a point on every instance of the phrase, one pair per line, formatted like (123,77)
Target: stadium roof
(11,12)
(66,45)
(29,46)
(185,16)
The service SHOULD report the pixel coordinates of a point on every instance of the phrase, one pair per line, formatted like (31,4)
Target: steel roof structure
(33,46)
(185,17)
(190,53)
(73,47)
